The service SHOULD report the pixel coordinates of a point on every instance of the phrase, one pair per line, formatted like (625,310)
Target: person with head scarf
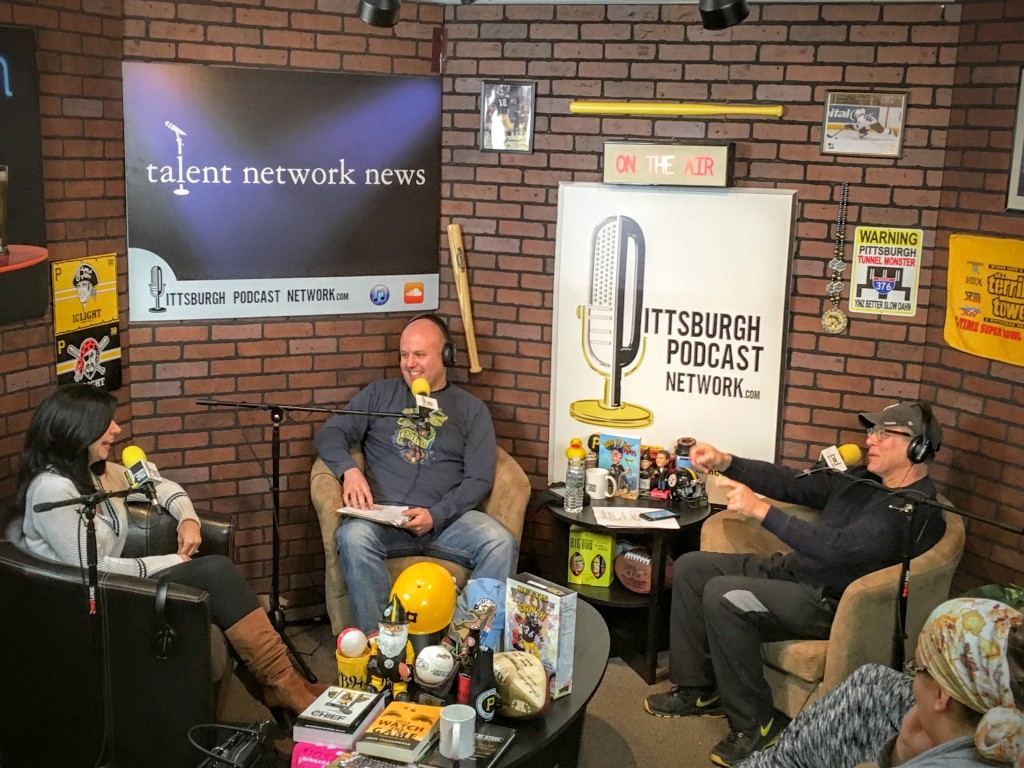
(958,705)
(967,689)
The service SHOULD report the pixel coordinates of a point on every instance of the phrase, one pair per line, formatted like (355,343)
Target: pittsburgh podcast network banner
(260,192)
(985,297)
(670,316)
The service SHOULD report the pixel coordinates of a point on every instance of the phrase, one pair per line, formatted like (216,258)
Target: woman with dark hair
(66,455)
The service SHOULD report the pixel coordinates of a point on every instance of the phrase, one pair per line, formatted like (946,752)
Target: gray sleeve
(851,724)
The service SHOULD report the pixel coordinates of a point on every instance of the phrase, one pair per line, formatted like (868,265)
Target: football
(522,685)
(435,665)
(633,570)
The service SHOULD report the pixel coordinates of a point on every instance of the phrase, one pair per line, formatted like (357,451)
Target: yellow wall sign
(84,293)
(985,297)
(86,331)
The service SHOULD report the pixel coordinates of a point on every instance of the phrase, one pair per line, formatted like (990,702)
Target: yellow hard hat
(427,590)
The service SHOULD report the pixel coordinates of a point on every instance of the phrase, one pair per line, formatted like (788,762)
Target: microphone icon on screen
(156,288)
(611,322)
(178,133)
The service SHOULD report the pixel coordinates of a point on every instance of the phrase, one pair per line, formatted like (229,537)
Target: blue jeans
(476,541)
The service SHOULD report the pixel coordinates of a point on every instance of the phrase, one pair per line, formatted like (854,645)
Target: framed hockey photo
(1015,194)
(506,115)
(863,124)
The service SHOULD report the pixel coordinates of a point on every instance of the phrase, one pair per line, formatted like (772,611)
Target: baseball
(352,643)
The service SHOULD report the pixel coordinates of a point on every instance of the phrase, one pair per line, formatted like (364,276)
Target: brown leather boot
(254,639)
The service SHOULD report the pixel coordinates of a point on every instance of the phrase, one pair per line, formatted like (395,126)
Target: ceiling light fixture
(379,13)
(720,14)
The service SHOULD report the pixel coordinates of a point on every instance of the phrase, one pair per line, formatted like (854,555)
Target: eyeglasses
(881,433)
(911,667)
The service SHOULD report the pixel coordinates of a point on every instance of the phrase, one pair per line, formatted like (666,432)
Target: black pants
(231,597)
(723,607)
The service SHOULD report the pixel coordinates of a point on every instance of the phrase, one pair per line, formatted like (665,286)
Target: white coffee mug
(601,484)
(458,735)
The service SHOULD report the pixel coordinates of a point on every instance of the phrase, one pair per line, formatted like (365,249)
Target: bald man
(441,467)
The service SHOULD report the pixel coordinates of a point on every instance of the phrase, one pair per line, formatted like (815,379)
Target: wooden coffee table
(555,738)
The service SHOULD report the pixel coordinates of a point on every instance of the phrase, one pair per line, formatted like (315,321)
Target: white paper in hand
(381,513)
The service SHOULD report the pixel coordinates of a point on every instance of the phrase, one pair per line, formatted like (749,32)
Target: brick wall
(788,54)
(783,54)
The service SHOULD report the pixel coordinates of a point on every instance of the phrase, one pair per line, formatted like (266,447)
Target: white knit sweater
(60,534)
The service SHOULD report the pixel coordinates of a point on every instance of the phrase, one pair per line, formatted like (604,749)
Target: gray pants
(723,607)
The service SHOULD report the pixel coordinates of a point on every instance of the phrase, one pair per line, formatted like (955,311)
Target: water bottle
(575,476)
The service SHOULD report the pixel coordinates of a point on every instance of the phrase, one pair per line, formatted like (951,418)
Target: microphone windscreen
(420,387)
(131,455)
(850,453)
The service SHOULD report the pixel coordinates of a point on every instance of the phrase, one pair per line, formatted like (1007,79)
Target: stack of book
(338,717)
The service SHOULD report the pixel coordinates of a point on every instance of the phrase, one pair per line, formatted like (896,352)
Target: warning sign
(886,270)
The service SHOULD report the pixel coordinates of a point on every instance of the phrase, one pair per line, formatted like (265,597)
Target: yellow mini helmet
(427,590)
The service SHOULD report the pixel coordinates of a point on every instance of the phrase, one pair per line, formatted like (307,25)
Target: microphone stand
(89,503)
(911,499)
(275,612)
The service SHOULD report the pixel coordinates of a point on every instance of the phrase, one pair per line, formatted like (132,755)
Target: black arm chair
(51,709)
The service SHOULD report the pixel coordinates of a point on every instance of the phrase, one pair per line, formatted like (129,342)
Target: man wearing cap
(725,605)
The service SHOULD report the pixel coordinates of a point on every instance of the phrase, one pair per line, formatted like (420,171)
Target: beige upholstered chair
(506,503)
(800,671)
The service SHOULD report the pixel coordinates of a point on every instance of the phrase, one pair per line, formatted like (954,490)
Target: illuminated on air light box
(673,165)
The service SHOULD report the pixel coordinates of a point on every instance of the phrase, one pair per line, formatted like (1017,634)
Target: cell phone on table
(659,514)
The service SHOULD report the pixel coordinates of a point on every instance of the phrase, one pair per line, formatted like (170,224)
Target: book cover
(621,457)
(340,708)
(403,731)
(309,730)
(489,743)
(540,618)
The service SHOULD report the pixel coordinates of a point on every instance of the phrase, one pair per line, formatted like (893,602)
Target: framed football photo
(863,124)
(506,116)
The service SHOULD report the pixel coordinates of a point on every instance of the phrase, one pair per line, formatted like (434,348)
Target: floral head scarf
(963,646)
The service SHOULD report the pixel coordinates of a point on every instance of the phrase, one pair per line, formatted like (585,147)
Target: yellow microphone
(421,392)
(420,386)
(138,472)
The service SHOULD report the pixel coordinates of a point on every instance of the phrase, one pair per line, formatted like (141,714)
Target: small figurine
(391,653)
(660,484)
(646,470)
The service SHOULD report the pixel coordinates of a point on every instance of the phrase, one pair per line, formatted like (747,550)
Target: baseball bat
(677,109)
(458,256)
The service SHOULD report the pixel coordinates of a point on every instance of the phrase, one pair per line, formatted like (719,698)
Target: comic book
(620,455)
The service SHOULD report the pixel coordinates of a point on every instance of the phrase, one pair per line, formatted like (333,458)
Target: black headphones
(165,638)
(448,350)
(921,448)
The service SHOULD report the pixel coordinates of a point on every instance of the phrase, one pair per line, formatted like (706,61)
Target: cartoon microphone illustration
(178,133)
(156,288)
(611,322)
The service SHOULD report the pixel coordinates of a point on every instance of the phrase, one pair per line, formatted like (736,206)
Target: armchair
(49,713)
(800,671)
(506,503)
